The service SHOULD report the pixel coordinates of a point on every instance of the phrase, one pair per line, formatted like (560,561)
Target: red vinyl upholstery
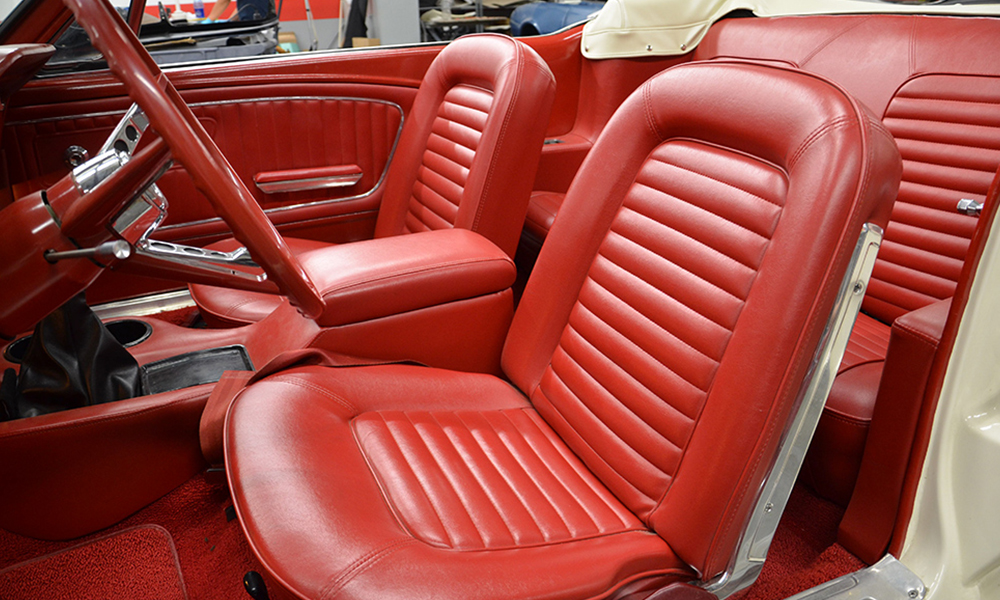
(478,118)
(940,98)
(868,522)
(941,101)
(677,302)
(542,211)
(379,278)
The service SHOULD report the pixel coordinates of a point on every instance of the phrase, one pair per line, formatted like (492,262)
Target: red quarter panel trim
(947,128)
(530,489)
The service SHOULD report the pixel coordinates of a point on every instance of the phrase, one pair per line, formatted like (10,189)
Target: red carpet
(135,564)
(212,552)
(804,553)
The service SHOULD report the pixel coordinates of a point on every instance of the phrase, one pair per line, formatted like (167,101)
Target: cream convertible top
(626,28)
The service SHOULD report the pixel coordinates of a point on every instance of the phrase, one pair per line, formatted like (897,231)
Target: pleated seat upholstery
(651,369)
(466,158)
(946,127)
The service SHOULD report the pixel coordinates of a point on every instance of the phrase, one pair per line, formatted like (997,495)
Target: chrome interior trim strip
(759,530)
(112,113)
(106,113)
(145,305)
(888,579)
(313,183)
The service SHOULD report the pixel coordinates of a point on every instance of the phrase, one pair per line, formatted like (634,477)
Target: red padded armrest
(926,323)
(387,276)
(314,178)
(867,526)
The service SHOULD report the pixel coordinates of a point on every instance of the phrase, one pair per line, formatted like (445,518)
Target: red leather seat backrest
(937,86)
(470,146)
(676,305)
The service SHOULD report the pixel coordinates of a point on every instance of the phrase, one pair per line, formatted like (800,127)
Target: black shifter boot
(73,361)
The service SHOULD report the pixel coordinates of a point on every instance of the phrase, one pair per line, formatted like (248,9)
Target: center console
(438,298)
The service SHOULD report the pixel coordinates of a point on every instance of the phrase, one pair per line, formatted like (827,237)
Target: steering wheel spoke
(191,145)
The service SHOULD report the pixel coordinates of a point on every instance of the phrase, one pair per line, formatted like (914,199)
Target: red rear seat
(937,88)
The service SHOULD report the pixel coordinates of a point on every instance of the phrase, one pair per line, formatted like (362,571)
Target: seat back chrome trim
(747,562)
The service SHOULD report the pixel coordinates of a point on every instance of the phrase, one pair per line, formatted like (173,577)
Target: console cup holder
(128,332)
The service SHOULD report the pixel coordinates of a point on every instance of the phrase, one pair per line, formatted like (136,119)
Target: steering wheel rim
(189,143)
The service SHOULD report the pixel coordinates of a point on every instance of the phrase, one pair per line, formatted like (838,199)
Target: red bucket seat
(652,367)
(466,158)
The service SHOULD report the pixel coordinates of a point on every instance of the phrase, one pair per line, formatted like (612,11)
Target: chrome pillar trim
(888,579)
(313,183)
(759,530)
(146,305)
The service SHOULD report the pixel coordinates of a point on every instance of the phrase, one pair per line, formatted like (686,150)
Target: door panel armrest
(300,180)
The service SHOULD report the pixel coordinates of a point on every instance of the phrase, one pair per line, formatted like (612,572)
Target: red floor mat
(212,552)
(135,564)
(804,552)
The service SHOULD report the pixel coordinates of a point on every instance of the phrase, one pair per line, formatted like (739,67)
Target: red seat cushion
(374,462)
(838,445)
(868,343)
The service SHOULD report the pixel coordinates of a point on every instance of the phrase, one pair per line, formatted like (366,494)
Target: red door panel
(267,116)
(257,134)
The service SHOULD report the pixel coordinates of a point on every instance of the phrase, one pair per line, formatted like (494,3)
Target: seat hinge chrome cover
(888,579)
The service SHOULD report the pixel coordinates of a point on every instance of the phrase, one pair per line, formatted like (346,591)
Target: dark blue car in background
(545,17)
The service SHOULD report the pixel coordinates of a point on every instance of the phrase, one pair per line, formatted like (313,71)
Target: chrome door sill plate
(888,579)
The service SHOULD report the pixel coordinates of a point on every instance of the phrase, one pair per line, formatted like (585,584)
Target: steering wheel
(190,144)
